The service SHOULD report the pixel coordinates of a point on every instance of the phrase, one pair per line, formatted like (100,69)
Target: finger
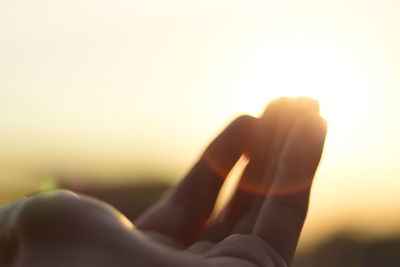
(187,207)
(276,122)
(261,151)
(303,106)
(283,213)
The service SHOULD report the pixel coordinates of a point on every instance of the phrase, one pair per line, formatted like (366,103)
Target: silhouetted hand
(260,225)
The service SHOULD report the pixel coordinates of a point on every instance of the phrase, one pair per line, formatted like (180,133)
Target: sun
(305,67)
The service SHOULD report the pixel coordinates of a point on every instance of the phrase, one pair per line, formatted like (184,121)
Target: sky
(110,88)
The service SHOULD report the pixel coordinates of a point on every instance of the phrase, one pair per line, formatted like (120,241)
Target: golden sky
(109,87)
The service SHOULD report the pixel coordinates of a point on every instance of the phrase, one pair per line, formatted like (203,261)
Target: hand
(260,226)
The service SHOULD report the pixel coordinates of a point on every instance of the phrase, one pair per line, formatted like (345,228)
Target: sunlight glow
(306,67)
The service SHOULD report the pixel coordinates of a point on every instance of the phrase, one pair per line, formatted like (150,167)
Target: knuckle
(47,212)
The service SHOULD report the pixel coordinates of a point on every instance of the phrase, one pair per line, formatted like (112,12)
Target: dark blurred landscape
(346,249)
(342,249)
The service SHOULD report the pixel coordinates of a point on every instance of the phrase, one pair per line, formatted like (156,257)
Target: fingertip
(308,105)
(306,142)
(315,125)
(243,122)
(234,135)
(277,105)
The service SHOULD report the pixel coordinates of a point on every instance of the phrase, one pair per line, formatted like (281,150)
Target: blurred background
(118,98)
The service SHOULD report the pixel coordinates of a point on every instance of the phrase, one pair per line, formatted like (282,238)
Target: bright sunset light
(93,89)
(306,66)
